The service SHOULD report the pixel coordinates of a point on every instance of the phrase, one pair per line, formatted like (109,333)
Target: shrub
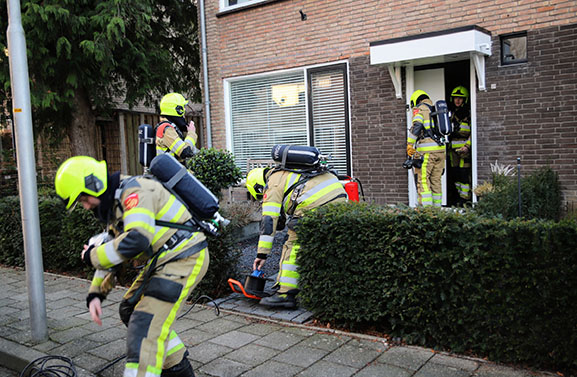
(216,169)
(540,196)
(449,280)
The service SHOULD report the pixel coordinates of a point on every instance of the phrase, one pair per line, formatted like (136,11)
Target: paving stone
(5,310)
(376,345)
(325,369)
(455,362)
(203,315)
(89,361)
(74,348)
(69,334)
(224,368)
(195,336)
(108,335)
(305,332)
(279,340)
(405,357)
(235,339)
(493,370)
(47,346)
(206,352)
(379,370)
(110,351)
(352,355)
(326,341)
(301,355)
(260,329)
(273,368)
(252,354)
(65,323)
(219,326)
(436,370)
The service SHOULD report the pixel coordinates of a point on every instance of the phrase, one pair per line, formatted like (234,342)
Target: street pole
(22,115)
(519,186)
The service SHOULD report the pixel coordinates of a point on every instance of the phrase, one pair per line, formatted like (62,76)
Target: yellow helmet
(80,175)
(461,91)
(173,104)
(255,182)
(416,97)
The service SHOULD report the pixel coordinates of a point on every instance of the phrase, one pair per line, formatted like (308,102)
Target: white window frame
(224,4)
(227,100)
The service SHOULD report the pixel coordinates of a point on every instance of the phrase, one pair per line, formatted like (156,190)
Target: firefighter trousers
(152,345)
(429,186)
(288,276)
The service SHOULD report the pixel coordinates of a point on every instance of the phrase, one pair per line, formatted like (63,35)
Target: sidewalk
(244,340)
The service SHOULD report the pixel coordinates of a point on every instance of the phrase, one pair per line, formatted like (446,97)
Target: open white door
(431,81)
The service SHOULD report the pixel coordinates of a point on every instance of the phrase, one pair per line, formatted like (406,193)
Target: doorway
(439,80)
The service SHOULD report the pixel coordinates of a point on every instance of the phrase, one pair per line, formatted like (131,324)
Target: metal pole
(519,185)
(205,74)
(26,171)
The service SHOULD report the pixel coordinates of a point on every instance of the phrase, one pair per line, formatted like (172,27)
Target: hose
(49,366)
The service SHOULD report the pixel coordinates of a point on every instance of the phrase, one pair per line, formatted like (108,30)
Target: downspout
(205,75)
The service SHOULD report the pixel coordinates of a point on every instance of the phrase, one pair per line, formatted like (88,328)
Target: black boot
(282,300)
(182,369)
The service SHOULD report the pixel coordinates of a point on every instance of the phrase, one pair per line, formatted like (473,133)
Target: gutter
(205,74)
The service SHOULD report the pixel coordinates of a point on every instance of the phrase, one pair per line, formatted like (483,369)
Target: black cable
(209,299)
(42,367)
(109,364)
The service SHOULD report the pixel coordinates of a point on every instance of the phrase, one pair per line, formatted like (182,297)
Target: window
(514,48)
(233,4)
(302,107)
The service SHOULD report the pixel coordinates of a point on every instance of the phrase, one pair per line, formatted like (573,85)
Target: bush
(457,281)
(215,169)
(63,235)
(540,196)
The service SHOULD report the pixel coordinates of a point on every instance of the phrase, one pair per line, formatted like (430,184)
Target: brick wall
(378,134)
(273,37)
(532,111)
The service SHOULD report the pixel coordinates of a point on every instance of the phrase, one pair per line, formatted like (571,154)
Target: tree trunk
(83,133)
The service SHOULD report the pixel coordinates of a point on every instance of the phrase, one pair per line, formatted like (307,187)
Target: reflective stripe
(265,238)
(177,145)
(160,353)
(174,344)
(319,191)
(425,147)
(271,209)
(291,179)
(139,218)
(130,369)
(171,212)
(107,255)
(99,276)
(418,118)
(456,144)
(289,282)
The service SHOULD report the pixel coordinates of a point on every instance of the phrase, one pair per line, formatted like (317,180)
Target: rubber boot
(182,369)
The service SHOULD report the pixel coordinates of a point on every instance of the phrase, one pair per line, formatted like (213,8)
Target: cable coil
(49,366)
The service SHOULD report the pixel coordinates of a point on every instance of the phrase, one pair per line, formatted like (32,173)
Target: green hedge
(63,235)
(456,281)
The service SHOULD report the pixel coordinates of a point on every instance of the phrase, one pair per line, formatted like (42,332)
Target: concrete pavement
(244,340)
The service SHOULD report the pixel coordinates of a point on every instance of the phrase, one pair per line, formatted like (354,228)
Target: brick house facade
(524,110)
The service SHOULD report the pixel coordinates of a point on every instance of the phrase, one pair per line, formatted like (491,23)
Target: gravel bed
(248,250)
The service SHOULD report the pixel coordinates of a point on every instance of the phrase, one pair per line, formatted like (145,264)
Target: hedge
(63,235)
(457,281)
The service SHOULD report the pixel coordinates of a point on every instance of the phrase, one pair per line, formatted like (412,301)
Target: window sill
(246,7)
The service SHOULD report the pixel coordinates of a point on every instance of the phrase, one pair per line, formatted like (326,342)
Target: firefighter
(174,260)
(173,135)
(460,147)
(283,200)
(421,145)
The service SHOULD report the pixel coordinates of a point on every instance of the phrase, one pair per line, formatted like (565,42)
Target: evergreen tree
(85,54)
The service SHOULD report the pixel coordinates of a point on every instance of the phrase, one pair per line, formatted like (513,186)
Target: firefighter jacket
(461,136)
(139,202)
(422,130)
(169,139)
(281,198)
